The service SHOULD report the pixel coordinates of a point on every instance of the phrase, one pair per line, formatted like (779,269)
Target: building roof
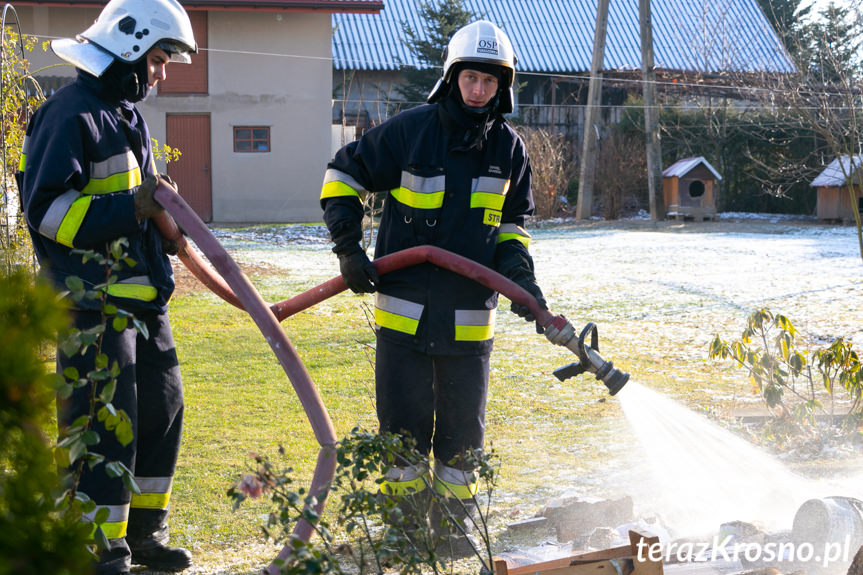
(556,36)
(683,166)
(353,6)
(834,173)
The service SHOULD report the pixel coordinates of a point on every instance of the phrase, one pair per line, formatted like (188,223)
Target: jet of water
(701,475)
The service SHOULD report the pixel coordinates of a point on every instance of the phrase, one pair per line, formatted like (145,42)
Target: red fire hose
(228,282)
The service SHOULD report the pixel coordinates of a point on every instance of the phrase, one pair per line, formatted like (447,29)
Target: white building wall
(264,68)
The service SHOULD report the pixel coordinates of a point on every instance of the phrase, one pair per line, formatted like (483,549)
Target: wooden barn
(833,202)
(688,186)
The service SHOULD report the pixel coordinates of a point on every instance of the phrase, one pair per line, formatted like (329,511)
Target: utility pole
(656,200)
(590,134)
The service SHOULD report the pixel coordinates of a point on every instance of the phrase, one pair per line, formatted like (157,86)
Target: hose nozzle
(561,332)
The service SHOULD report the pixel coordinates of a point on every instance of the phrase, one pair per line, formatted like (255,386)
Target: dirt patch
(186,283)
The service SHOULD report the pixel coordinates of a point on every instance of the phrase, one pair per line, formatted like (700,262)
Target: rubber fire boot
(152,551)
(162,558)
(413,513)
(453,521)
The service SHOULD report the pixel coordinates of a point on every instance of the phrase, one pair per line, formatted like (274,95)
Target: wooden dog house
(833,202)
(688,186)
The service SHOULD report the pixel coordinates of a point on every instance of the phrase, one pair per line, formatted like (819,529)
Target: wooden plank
(623,560)
(568,566)
(642,563)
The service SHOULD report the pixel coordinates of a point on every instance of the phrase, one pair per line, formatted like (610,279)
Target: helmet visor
(177,52)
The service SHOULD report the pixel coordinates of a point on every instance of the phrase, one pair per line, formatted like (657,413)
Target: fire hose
(225,278)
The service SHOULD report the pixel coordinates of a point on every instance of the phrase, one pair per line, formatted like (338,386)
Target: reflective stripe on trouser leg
(114,527)
(404,392)
(452,482)
(160,425)
(408,480)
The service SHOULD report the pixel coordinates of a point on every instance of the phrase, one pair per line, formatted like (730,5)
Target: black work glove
(170,247)
(522,310)
(145,205)
(358,272)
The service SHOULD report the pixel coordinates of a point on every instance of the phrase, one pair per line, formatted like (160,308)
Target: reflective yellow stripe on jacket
(64,217)
(25,146)
(397,314)
(419,192)
(513,232)
(474,325)
(138,287)
(155,493)
(118,520)
(117,173)
(340,184)
(488,193)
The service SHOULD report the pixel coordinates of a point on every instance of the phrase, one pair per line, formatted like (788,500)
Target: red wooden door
(191,135)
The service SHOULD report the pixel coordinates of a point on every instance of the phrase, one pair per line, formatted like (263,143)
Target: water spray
(561,332)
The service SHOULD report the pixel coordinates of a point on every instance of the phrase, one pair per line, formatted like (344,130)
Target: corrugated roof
(557,35)
(683,166)
(358,6)
(834,173)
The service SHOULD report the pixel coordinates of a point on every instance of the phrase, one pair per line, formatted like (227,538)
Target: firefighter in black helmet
(455,175)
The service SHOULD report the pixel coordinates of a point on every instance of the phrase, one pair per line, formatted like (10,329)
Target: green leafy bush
(797,382)
(39,535)
(377,531)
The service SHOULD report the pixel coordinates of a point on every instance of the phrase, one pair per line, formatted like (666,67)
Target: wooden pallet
(624,560)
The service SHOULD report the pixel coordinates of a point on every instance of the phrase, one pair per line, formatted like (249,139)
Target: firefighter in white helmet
(454,175)
(87,177)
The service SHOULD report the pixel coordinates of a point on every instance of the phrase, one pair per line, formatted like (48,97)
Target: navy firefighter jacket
(82,160)
(464,188)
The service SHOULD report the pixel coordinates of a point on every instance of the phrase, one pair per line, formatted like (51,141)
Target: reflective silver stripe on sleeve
(332,175)
(513,229)
(50,224)
(120,163)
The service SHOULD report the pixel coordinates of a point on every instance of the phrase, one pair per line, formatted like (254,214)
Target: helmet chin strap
(123,81)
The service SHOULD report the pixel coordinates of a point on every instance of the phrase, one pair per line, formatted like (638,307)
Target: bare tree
(824,101)
(554,164)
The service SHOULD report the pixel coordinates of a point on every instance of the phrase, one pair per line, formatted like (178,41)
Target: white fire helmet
(126,30)
(483,42)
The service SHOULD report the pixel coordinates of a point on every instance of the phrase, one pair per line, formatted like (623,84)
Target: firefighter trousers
(439,400)
(149,390)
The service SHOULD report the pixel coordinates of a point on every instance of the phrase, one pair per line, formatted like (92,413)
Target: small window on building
(251,139)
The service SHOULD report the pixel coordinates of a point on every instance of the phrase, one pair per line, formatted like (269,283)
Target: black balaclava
(493,69)
(125,82)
